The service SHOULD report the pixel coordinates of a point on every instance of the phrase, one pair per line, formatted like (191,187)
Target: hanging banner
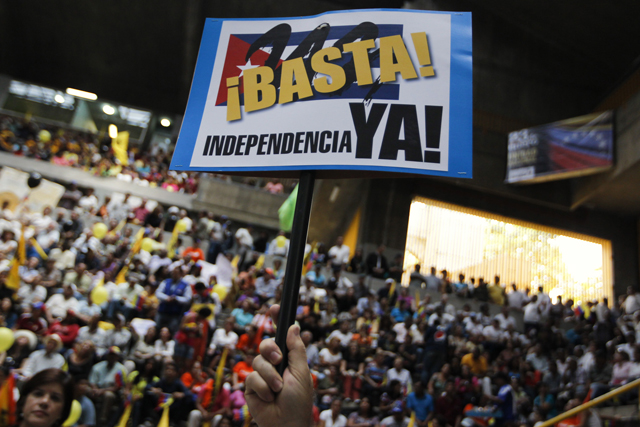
(369,90)
(565,149)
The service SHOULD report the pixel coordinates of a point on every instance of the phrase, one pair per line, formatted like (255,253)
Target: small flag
(287,210)
(119,379)
(7,402)
(39,249)
(218,383)
(139,302)
(171,247)
(412,420)
(392,289)
(122,275)
(120,144)
(137,243)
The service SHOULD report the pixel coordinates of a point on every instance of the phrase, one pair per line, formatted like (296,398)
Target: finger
(255,385)
(270,351)
(268,373)
(297,355)
(274,310)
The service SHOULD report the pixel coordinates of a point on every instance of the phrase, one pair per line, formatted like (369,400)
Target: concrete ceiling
(555,59)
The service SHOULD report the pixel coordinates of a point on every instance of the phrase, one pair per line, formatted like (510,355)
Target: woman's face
(43,406)
(6,304)
(365,405)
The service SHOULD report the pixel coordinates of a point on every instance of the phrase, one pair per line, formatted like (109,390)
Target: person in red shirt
(34,321)
(249,341)
(209,406)
(66,329)
(194,251)
(242,369)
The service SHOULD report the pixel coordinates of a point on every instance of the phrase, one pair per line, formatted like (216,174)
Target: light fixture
(82,94)
(108,109)
(113,131)
(165,122)
(59,98)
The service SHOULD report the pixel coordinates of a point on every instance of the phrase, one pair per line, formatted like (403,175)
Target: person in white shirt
(32,292)
(448,307)
(398,372)
(244,239)
(343,334)
(332,416)
(164,345)
(505,318)
(516,298)
(339,254)
(58,304)
(49,237)
(632,302)
(89,202)
(224,337)
(433,281)
(94,333)
(279,246)
(46,358)
(532,315)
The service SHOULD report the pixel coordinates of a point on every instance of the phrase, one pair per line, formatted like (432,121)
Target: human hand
(276,401)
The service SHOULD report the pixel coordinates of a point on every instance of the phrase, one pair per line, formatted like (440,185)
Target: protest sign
(369,90)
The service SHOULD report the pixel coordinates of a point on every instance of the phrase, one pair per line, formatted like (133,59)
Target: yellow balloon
(44,136)
(147,244)
(280,241)
(6,339)
(181,225)
(100,230)
(99,295)
(74,415)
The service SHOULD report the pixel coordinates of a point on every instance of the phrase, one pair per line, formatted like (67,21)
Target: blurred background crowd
(138,304)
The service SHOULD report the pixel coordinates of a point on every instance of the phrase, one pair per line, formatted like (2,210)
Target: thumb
(297,354)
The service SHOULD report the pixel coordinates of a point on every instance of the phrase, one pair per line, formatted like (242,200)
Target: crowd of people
(141,325)
(89,152)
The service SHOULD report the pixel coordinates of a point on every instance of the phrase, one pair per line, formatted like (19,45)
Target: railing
(578,409)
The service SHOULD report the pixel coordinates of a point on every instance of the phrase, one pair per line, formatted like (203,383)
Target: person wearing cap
(46,358)
(386,292)
(24,343)
(106,378)
(398,418)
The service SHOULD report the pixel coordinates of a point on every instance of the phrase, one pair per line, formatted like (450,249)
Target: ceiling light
(59,99)
(113,131)
(165,122)
(108,109)
(82,94)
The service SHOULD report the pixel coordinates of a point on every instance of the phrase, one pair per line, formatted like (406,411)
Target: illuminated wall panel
(480,244)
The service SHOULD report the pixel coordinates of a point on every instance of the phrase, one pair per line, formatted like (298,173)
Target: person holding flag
(166,396)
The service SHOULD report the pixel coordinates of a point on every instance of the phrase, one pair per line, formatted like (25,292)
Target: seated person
(168,386)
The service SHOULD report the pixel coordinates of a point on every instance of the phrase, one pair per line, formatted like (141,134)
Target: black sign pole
(293,272)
